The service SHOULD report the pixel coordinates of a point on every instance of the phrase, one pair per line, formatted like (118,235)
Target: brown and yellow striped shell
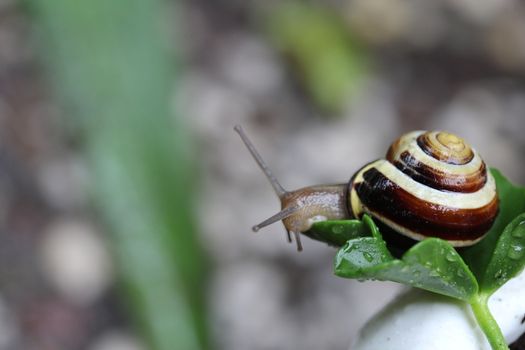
(431,184)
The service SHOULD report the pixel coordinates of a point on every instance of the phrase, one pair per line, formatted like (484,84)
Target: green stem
(487,322)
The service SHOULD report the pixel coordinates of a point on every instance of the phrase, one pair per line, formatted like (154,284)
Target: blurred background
(126,199)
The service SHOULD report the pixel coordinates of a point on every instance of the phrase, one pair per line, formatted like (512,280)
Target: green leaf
(110,64)
(360,256)
(432,264)
(338,232)
(327,59)
(508,258)
(512,204)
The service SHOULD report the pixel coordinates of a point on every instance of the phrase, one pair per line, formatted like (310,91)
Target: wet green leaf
(508,258)
(359,256)
(338,232)
(432,264)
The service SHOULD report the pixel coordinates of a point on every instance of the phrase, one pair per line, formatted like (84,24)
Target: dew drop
(515,252)
(433,273)
(519,231)
(460,273)
(416,273)
(451,257)
(353,247)
(368,257)
(500,274)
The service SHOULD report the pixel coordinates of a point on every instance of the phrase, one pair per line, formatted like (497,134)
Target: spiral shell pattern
(431,184)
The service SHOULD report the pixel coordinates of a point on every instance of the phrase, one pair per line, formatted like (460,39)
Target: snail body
(431,184)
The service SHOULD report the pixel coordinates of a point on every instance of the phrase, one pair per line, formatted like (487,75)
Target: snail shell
(431,184)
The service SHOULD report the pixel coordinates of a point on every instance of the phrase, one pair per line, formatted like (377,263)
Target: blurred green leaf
(110,66)
(508,258)
(329,61)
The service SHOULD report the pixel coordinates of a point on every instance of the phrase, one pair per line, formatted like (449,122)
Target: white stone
(425,321)
(117,340)
(75,260)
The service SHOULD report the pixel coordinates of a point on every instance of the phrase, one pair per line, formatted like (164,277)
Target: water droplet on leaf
(519,231)
(451,257)
(500,275)
(351,248)
(368,257)
(515,252)
(433,273)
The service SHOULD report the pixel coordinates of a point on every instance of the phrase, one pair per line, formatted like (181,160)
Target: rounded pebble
(75,260)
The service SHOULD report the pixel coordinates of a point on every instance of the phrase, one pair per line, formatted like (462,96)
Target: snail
(431,184)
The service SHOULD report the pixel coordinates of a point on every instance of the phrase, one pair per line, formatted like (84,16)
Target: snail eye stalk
(278,189)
